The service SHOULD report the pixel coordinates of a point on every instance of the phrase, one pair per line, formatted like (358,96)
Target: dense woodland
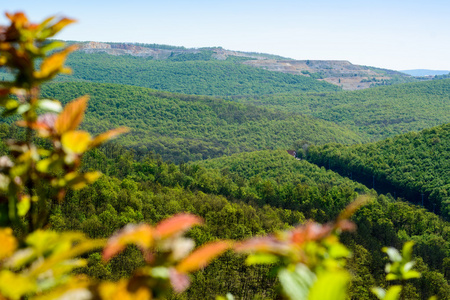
(182,127)
(197,74)
(375,113)
(248,195)
(414,165)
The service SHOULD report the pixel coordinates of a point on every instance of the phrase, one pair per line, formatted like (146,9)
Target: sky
(392,34)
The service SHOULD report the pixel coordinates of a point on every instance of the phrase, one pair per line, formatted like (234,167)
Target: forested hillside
(319,193)
(188,74)
(236,203)
(246,195)
(182,128)
(377,113)
(413,165)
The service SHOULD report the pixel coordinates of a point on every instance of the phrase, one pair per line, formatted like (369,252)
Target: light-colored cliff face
(123,49)
(135,50)
(95,45)
(338,72)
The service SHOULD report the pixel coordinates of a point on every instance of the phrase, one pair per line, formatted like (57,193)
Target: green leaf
(24,205)
(411,275)
(379,292)
(23,108)
(339,251)
(330,286)
(393,254)
(50,105)
(296,284)
(393,293)
(408,266)
(261,258)
(160,272)
(51,46)
(392,276)
(407,250)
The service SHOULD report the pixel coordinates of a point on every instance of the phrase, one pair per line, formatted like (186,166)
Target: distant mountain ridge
(338,72)
(425,72)
(164,51)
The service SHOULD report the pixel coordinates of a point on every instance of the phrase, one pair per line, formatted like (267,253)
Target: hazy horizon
(388,34)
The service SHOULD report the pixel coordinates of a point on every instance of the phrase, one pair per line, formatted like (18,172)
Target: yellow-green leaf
(24,205)
(76,141)
(15,286)
(330,286)
(261,258)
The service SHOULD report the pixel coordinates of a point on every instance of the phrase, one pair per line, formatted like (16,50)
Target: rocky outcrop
(339,72)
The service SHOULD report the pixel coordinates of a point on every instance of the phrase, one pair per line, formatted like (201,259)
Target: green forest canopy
(376,113)
(182,127)
(234,202)
(188,74)
(414,162)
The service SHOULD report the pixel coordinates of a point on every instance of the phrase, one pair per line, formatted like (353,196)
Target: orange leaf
(54,64)
(353,207)
(71,116)
(140,235)
(9,243)
(60,25)
(177,224)
(120,291)
(19,19)
(202,256)
(106,136)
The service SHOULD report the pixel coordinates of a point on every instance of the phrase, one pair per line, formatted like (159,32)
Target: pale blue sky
(394,34)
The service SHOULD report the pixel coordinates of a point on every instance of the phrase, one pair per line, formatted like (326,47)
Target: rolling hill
(340,73)
(189,73)
(182,127)
(413,165)
(376,113)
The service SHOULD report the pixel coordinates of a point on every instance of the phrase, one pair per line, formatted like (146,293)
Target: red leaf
(346,225)
(177,225)
(310,232)
(267,244)
(203,255)
(179,281)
